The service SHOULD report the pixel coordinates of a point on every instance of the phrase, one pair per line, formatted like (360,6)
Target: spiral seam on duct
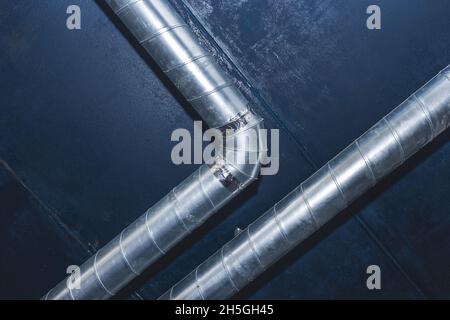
(379,151)
(170,42)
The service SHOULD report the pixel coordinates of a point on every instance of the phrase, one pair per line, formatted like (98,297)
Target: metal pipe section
(171,43)
(332,188)
(194,72)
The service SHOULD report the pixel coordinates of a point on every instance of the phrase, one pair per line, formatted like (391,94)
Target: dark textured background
(86,118)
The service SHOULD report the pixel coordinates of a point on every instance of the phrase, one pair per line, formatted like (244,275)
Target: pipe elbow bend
(244,148)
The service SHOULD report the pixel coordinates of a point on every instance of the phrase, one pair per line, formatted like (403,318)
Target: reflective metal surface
(380,150)
(171,43)
(204,84)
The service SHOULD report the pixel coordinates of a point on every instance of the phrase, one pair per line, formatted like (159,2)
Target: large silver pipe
(195,73)
(332,188)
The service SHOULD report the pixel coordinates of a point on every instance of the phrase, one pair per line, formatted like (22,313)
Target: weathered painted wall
(85,128)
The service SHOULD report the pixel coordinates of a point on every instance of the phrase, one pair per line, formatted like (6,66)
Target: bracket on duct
(196,74)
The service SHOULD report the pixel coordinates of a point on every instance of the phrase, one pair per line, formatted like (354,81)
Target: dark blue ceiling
(86,119)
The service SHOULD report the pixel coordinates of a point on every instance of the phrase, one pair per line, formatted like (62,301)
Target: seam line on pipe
(203,189)
(249,85)
(150,232)
(98,277)
(427,115)
(124,256)
(216,89)
(197,284)
(227,270)
(366,160)
(161,32)
(231,164)
(277,222)
(228,180)
(396,137)
(303,150)
(187,62)
(119,11)
(336,182)
(237,129)
(309,207)
(252,246)
(177,214)
(240,150)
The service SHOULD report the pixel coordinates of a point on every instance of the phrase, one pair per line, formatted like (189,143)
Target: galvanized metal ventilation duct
(211,92)
(384,147)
